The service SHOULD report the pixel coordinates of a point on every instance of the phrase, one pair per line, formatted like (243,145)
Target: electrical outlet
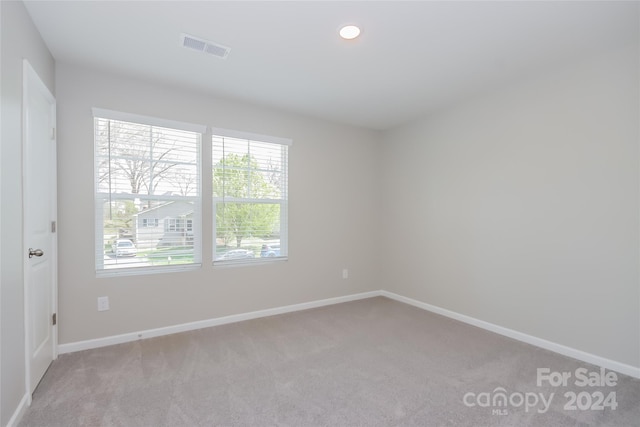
(103,303)
(345,273)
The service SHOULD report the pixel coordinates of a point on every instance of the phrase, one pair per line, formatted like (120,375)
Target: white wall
(332,213)
(521,208)
(20,40)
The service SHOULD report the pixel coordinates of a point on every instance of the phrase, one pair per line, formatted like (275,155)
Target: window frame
(101,197)
(194,224)
(283,201)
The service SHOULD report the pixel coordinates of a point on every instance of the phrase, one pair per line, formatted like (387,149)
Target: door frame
(31,82)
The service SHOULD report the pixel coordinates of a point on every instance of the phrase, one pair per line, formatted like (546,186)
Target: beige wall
(333,214)
(20,40)
(521,208)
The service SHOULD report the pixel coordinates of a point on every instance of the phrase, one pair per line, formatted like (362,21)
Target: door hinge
(53,226)
(54,319)
(53,134)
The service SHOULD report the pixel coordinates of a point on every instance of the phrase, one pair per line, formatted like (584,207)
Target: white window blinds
(148,193)
(250,192)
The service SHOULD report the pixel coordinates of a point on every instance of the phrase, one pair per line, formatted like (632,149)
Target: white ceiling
(411,59)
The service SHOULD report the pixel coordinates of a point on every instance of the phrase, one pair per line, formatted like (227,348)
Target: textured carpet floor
(373,362)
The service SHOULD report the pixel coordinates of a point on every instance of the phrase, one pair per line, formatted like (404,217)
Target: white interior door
(40,243)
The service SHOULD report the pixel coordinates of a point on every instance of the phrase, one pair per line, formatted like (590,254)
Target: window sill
(139,271)
(249,262)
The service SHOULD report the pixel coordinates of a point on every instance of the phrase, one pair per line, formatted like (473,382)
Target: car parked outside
(123,247)
(236,254)
(269,251)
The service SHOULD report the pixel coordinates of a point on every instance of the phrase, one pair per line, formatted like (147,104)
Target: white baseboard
(184,327)
(622,368)
(520,336)
(20,410)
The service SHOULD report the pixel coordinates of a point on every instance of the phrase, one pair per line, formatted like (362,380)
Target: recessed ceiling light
(349,32)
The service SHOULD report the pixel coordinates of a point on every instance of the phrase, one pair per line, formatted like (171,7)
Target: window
(173,224)
(249,197)
(149,222)
(147,170)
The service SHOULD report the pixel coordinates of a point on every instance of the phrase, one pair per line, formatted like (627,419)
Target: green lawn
(169,255)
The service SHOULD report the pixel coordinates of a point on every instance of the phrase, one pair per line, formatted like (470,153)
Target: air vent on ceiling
(191,42)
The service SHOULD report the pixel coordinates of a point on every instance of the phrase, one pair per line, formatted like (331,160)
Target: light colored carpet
(373,362)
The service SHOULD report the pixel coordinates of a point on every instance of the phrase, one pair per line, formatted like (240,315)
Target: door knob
(35,252)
